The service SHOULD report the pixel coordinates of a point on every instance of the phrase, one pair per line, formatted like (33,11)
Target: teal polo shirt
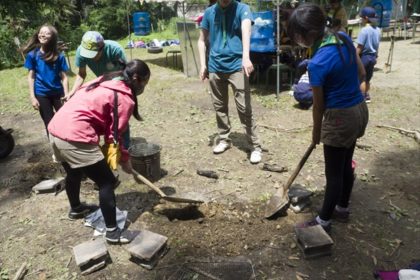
(225,36)
(107,63)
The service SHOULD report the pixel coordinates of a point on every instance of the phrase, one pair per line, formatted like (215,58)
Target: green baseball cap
(92,43)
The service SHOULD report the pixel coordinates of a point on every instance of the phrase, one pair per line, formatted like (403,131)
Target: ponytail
(136,66)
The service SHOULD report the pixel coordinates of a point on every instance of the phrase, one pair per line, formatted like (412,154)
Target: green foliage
(110,17)
(20,19)
(4,274)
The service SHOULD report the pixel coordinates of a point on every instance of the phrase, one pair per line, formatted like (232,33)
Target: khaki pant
(342,127)
(74,153)
(219,83)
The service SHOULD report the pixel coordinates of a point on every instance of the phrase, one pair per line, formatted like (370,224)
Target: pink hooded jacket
(90,114)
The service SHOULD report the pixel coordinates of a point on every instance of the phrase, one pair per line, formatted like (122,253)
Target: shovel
(388,63)
(161,193)
(280,199)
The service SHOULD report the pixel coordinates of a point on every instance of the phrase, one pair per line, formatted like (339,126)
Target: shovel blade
(278,201)
(181,200)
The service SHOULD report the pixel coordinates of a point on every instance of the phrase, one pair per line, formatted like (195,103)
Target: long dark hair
(309,21)
(51,51)
(135,66)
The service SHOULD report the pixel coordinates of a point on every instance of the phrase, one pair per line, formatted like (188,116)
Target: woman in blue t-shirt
(340,114)
(47,72)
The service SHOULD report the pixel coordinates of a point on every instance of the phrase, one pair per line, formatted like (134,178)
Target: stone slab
(146,245)
(314,241)
(90,252)
(48,186)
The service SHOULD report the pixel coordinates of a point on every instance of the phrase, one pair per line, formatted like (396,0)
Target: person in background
(101,56)
(302,90)
(47,78)
(368,46)
(340,115)
(338,15)
(226,31)
(88,115)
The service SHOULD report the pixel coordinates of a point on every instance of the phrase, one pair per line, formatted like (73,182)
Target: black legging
(102,175)
(339,174)
(47,105)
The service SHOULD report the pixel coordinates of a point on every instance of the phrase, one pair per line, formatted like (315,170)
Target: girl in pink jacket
(75,132)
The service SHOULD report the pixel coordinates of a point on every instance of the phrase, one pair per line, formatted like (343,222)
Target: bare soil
(384,230)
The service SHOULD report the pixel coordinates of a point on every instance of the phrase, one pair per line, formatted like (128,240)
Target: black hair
(134,67)
(51,51)
(309,21)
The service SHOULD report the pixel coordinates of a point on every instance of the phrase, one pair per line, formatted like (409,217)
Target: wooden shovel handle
(299,166)
(148,183)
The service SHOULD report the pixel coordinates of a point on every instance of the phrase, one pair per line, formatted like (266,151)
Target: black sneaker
(312,223)
(341,216)
(82,211)
(118,236)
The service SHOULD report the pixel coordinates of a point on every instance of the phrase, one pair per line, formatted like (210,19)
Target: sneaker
(312,223)
(82,211)
(118,236)
(221,147)
(341,216)
(367,98)
(255,156)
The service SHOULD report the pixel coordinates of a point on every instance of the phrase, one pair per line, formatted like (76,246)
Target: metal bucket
(145,159)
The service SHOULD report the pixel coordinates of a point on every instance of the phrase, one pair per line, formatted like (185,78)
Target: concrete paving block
(91,255)
(314,241)
(146,245)
(49,186)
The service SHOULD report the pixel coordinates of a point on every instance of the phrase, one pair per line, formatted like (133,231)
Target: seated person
(302,90)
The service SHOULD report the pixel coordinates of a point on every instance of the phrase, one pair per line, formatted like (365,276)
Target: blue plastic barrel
(141,23)
(263,32)
(383,11)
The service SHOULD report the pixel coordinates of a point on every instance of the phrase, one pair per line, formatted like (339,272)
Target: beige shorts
(342,127)
(76,154)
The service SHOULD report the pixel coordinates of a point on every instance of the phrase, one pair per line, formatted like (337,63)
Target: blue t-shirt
(47,75)
(111,52)
(225,36)
(340,81)
(369,37)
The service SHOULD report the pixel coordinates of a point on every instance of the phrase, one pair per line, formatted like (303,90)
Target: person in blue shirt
(302,90)
(368,46)
(340,114)
(225,33)
(47,78)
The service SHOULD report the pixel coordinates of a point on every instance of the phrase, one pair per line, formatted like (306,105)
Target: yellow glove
(112,154)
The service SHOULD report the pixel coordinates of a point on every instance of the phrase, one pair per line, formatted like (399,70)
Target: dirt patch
(384,228)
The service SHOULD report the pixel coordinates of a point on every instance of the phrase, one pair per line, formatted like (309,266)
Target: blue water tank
(263,32)
(383,11)
(141,23)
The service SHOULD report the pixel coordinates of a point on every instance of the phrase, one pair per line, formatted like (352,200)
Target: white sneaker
(221,147)
(255,156)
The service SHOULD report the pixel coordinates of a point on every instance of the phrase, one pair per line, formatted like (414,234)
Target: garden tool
(280,199)
(161,193)
(390,54)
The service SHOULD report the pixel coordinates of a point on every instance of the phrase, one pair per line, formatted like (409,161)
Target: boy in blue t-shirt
(367,46)
(225,32)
